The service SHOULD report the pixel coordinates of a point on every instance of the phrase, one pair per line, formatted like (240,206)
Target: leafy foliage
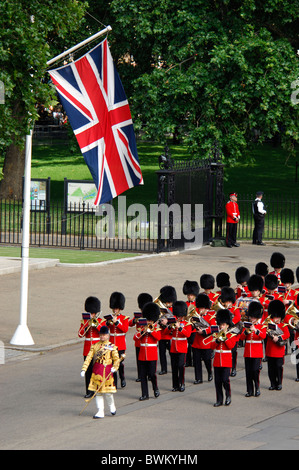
(206,70)
(28,38)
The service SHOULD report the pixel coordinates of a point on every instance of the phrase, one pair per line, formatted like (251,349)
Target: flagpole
(22,335)
(74,48)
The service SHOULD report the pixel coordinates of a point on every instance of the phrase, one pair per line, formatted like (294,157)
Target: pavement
(56,297)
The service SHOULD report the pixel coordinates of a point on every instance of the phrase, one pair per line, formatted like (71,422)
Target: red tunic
(179,338)
(198,342)
(91,334)
(118,332)
(275,349)
(148,344)
(232,212)
(223,353)
(254,341)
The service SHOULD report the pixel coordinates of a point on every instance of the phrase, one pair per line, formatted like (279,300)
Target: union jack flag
(94,100)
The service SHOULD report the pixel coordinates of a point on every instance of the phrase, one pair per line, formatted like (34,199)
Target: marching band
(261,314)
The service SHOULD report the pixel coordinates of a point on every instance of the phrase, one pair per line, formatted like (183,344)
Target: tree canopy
(210,70)
(201,71)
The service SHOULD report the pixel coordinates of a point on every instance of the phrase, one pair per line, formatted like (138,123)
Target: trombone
(92,322)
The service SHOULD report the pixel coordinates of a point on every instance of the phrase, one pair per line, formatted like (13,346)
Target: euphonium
(294,320)
(163,309)
(217,305)
(198,321)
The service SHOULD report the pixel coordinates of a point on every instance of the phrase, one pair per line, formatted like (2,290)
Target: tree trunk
(13,170)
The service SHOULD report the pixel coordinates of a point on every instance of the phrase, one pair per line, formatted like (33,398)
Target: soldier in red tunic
(232,219)
(149,336)
(191,290)
(142,299)
(167,296)
(89,330)
(223,344)
(118,325)
(180,332)
(277,334)
(202,352)
(253,334)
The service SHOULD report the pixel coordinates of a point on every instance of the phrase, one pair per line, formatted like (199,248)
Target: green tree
(209,69)
(30,34)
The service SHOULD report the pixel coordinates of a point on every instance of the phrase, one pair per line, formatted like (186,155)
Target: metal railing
(79,227)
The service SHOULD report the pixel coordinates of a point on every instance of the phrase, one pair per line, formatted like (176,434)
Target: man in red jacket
(232,219)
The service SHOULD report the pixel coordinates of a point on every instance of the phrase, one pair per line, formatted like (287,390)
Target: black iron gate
(192,182)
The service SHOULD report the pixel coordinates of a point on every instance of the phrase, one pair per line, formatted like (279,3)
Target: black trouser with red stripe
(221,376)
(252,369)
(231,234)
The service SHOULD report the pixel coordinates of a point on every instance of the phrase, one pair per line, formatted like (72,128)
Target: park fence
(80,227)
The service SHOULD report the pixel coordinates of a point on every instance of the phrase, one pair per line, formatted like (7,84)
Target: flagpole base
(22,336)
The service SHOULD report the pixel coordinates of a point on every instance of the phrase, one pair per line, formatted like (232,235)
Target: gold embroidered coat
(104,356)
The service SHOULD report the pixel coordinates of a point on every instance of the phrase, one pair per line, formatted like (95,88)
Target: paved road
(41,387)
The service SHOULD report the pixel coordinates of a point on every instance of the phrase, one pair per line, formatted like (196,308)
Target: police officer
(259,213)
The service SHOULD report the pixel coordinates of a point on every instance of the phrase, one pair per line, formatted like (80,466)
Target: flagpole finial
(77,46)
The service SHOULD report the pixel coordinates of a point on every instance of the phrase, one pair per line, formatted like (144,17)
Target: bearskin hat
(242,274)
(277,260)
(117,300)
(104,330)
(255,282)
(203,301)
(224,316)
(276,308)
(228,295)
(222,280)
(191,287)
(143,299)
(261,269)
(180,308)
(151,311)
(255,310)
(287,276)
(168,294)
(92,305)
(207,281)
(271,282)
(297,274)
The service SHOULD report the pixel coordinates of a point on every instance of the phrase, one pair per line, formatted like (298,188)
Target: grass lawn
(65,255)
(267,171)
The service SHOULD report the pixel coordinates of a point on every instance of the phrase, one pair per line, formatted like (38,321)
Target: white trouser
(100,404)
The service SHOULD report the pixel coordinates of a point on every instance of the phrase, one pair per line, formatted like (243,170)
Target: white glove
(113,370)
(82,373)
